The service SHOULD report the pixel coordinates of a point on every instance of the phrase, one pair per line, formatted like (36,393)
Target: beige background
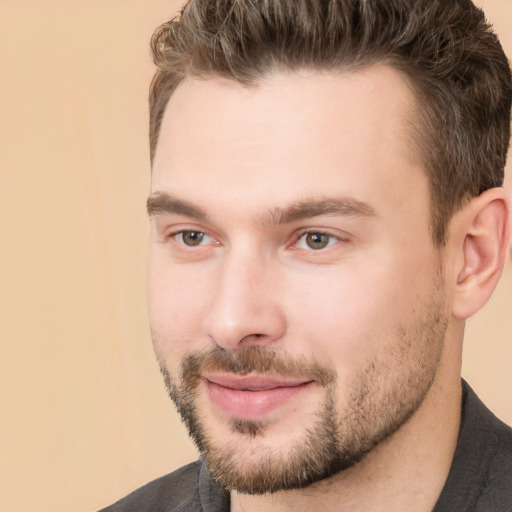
(84,417)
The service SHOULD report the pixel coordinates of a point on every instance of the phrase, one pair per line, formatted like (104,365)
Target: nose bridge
(245,309)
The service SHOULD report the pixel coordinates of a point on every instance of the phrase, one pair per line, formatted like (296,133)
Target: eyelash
(331,240)
(327,238)
(179,234)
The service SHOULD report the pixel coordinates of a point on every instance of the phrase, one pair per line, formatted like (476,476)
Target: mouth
(252,397)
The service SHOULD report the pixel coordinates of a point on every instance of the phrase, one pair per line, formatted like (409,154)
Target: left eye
(192,238)
(315,241)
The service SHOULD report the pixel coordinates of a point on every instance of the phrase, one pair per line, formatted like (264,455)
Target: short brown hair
(445,48)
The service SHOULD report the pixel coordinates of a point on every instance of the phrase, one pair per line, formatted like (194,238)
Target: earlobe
(485,233)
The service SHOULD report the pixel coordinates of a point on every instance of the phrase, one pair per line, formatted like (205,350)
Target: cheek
(348,317)
(177,302)
(340,326)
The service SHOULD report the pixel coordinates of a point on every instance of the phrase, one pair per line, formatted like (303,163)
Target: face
(296,298)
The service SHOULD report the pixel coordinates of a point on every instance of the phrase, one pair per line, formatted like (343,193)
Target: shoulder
(480,478)
(492,437)
(496,491)
(177,491)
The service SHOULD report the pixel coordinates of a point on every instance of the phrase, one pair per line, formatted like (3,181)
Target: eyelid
(207,239)
(339,237)
(170,227)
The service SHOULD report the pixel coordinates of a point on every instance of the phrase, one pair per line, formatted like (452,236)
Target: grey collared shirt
(480,479)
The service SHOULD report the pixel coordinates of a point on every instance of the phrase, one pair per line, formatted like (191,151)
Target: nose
(245,309)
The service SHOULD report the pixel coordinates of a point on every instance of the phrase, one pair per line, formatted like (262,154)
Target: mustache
(253,359)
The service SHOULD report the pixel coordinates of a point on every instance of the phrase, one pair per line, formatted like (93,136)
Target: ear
(483,231)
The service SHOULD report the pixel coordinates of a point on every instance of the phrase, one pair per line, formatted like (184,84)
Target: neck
(405,472)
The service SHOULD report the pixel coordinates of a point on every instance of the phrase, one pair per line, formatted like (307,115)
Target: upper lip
(253,382)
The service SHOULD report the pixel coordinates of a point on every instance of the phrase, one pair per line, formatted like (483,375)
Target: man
(327,210)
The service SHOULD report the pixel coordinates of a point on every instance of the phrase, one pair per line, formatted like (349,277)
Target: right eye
(192,238)
(316,241)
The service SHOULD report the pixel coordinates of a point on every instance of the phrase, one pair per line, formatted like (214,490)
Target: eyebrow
(162,203)
(305,209)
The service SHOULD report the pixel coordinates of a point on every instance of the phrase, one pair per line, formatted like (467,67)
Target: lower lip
(252,405)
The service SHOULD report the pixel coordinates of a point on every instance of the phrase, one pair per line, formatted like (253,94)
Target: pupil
(317,240)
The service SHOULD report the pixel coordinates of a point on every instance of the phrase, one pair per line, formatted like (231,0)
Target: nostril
(259,339)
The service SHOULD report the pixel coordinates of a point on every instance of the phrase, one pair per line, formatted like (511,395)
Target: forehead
(295,133)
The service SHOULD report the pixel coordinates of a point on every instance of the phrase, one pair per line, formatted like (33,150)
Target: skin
(227,156)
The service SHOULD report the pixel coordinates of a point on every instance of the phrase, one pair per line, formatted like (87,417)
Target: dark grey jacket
(480,479)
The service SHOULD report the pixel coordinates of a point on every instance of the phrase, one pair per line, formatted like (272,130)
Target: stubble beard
(383,396)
